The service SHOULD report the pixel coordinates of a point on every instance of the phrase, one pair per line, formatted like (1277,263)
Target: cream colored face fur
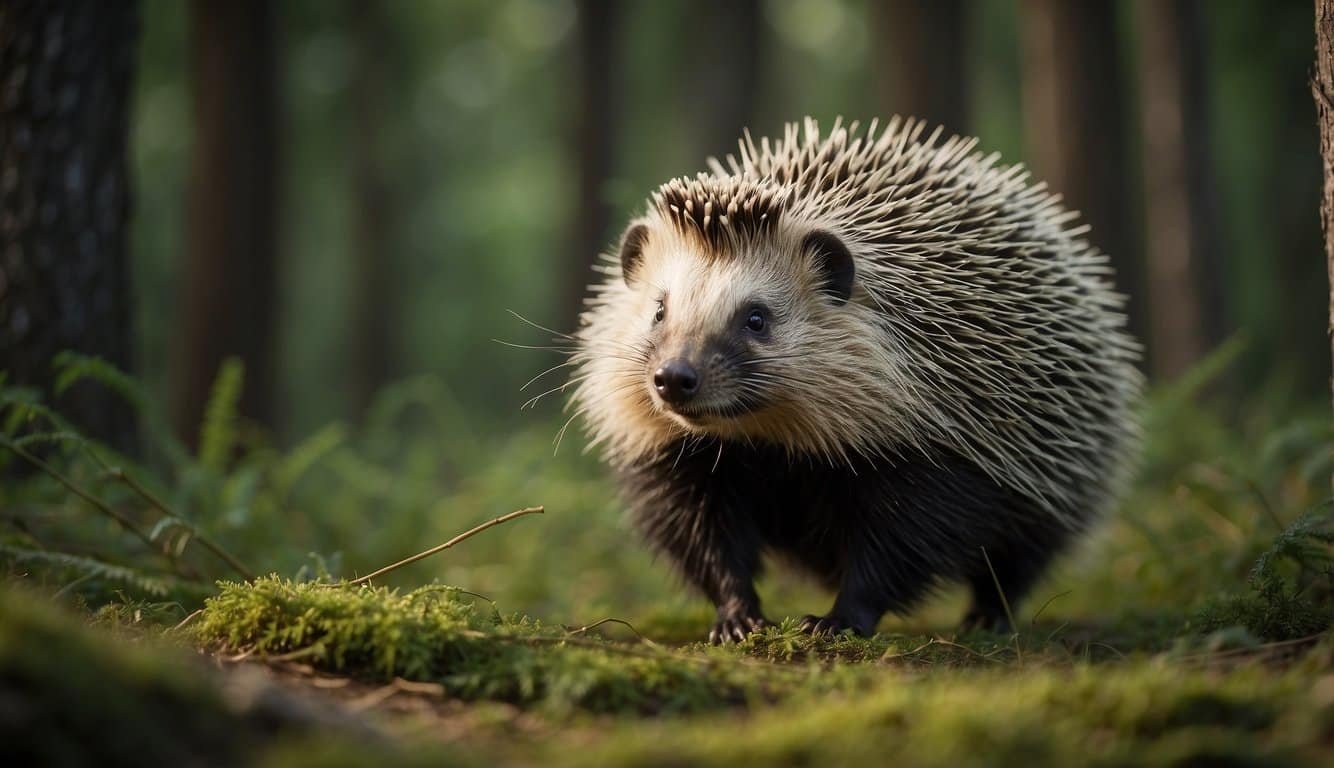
(815,380)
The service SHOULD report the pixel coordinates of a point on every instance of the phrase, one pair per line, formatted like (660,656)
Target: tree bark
(728,39)
(1322,86)
(1075,117)
(67,67)
(372,311)
(594,149)
(1185,266)
(229,291)
(922,71)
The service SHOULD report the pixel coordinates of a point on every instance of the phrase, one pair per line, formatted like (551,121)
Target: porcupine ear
(632,251)
(834,262)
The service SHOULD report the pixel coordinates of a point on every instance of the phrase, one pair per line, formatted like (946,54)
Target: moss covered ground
(1192,630)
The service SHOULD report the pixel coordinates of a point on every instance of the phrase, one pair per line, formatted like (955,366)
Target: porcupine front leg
(717,548)
(860,603)
(879,574)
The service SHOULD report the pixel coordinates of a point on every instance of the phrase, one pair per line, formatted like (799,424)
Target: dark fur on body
(881,533)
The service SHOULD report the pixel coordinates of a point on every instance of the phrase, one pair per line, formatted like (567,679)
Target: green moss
(444,635)
(1148,713)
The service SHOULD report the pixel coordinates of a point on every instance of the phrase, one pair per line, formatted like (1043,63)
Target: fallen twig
(439,548)
(184,621)
(612,620)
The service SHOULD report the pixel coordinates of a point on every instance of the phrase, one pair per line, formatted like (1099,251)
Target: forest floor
(1193,629)
(415,679)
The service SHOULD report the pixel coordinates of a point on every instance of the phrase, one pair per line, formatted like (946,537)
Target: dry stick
(197,613)
(204,541)
(612,620)
(441,547)
(887,656)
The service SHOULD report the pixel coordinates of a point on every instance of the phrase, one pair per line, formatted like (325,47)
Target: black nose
(676,381)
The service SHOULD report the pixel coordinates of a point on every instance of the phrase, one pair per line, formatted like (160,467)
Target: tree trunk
(372,310)
(922,70)
(1075,118)
(64,198)
(1185,266)
(229,291)
(1322,86)
(593,150)
(729,39)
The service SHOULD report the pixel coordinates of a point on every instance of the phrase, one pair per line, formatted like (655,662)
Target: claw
(828,626)
(735,629)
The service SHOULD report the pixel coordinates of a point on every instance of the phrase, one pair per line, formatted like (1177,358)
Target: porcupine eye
(662,312)
(756,321)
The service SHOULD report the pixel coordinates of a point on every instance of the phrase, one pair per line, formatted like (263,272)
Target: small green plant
(145,552)
(1286,603)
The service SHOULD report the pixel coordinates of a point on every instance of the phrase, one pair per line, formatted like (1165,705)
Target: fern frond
(49,438)
(87,567)
(1306,541)
(218,433)
(73,367)
(22,405)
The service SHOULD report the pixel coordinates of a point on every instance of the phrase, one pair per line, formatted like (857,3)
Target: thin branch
(612,620)
(440,547)
(97,503)
(887,656)
(197,613)
(204,541)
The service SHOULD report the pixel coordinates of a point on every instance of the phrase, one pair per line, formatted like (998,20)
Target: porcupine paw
(733,628)
(831,625)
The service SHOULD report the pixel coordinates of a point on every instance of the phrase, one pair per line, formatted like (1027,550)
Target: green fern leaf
(218,433)
(85,566)
(73,367)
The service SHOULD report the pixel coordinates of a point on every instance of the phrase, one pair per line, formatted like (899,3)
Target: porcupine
(882,356)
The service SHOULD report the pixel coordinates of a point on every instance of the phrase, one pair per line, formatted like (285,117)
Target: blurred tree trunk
(1185,264)
(729,42)
(229,287)
(1322,85)
(64,198)
(922,70)
(594,148)
(372,310)
(1075,118)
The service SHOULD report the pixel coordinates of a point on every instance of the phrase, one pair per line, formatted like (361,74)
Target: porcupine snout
(676,381)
